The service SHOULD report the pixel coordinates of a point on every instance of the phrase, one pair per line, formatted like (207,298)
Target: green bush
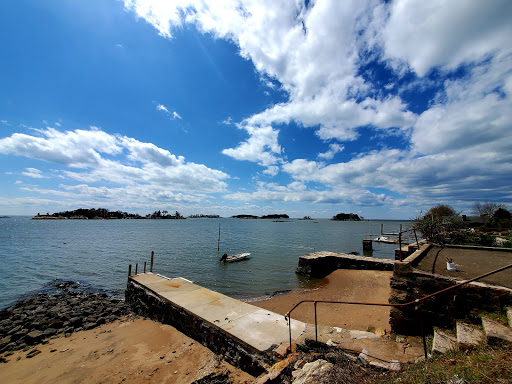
(487,241)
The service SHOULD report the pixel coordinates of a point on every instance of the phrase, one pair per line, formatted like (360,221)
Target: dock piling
(129,270)
(144,267)
(151,265)
(367,245)
(136,268)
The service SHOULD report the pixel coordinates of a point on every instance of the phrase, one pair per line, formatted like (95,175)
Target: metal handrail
(288,318)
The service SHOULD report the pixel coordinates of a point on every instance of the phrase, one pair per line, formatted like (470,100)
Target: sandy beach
(143,351)
(341,285)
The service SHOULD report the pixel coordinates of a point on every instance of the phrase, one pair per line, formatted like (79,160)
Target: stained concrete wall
(321,264)
(145,302)
(464,303)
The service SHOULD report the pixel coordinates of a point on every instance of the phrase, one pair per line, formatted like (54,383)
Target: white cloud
(446,34)
(94,156)
(33,172)
(333,149)
(261,146)
(298,193)
(172,115)
(459,145)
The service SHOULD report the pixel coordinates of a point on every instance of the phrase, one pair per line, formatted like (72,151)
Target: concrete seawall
(321,264)
(247,336)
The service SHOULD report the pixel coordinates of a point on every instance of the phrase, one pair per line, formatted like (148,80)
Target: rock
(35,336)
(363,357)
(312,373)
(33,353)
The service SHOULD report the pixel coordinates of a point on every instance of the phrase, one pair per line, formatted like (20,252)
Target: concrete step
(496,331)
(469,335)
(443,342)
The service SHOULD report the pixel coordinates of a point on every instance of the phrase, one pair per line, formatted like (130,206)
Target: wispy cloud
(172,115)
(333,149)
(33,172)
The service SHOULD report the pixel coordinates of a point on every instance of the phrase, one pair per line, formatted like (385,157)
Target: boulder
(312,373)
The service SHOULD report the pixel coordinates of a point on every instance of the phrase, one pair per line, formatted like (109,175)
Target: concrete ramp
(246,335)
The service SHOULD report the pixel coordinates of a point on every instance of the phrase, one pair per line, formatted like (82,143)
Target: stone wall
(146,303)
(464,303)
(321,264)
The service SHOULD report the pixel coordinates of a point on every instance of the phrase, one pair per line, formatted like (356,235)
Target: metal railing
(416,302)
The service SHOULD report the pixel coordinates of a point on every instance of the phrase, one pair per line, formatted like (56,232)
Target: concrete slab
(148,278)
(196,297)
(173,287)
(261,329)
(469,335)
(496,331)
(222,311)
(443,342)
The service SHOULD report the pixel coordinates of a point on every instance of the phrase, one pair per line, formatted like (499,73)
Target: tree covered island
(105,214)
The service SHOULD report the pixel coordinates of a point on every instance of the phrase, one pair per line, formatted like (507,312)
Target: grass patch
(485,364)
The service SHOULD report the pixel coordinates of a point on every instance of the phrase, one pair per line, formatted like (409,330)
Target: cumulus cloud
(298,192)
(459,144)
(96,157)
(446,34)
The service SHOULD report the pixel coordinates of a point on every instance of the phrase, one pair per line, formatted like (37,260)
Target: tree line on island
(105,214)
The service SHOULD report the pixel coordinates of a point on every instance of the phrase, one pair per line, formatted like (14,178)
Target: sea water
(98,252)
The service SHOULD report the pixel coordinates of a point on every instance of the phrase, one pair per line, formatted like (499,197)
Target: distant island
(274,216)
(347,217)
(104,214)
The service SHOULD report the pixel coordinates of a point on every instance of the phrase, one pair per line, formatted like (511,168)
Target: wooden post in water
(151,265)
(400,245)
(136,268)
(144,267)
(218,241)
(381,228)
(416,236)
(129,270)
(367,245)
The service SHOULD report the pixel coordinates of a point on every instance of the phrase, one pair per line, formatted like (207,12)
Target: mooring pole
(152,257)
(218,241)
(129,270)
(136,268)
(400,245)
(144,267)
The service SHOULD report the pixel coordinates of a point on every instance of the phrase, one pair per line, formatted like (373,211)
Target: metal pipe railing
(416,302)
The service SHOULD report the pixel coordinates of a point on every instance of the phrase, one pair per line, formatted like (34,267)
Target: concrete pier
(249,337)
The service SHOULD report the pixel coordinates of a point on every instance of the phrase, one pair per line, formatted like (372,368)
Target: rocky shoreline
(66,308)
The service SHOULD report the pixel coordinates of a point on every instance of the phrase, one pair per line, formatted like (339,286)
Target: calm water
(97,252)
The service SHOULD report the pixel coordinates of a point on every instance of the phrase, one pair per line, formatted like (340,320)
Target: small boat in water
(384,239)
(238,257)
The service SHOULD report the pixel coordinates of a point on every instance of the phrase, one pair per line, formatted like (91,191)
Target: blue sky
(229,107)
